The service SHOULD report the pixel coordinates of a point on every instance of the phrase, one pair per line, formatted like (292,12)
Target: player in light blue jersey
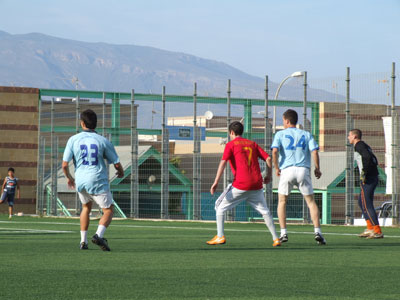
(295,148)
(89,150)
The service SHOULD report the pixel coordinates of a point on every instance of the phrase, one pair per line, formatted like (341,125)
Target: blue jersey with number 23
(89,150)
(295,147)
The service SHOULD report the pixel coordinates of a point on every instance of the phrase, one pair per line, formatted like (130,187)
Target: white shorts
(103,200)
(231,197)
(298,176)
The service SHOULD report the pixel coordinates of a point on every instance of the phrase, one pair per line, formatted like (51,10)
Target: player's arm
(366,157)
(220,172)
(275,160)
(317,171)
(18,190)
(67,173)
(264,156)
(4,184)
(67,157)
(120,170)
(268,177)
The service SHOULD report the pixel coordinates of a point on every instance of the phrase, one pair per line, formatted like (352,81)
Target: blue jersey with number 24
(295,147)
(89,150)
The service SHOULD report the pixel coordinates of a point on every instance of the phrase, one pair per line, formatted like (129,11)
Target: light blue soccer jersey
(295,147)
(89,150)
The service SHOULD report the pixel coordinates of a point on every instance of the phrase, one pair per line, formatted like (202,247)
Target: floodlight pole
(349,158)
(395,210)
(267,144)
(295,74)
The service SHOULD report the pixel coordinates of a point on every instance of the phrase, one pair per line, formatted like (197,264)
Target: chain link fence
(170,146)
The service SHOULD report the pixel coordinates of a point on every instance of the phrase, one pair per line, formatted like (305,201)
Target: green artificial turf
(170,260)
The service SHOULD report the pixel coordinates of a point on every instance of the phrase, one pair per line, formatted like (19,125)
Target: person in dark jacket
(369,177)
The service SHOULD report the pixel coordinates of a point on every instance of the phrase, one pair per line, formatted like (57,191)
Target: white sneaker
(366,233)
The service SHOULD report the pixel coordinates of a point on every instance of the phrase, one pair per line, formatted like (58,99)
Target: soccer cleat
(320,239)
(10,217)
(101,242)
(276,243)
(375,235)
(366,233)
(83,246)
(217,240)
(284,238)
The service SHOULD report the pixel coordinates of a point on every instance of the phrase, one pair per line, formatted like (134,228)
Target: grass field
(170,260)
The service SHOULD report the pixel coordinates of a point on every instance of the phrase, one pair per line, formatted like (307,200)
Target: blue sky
(259,37)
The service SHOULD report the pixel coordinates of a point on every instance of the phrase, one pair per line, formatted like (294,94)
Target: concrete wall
(19,142)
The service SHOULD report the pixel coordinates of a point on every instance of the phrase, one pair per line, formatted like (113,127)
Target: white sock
(283,231)
(100,230)
(84,237)
(318,230)
(269,221)
(220,225)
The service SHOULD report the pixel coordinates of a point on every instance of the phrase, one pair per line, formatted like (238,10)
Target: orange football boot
(276,243)
(217,240)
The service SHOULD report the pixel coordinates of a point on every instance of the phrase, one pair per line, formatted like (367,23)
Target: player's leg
(257,200)
(3,197)
(229,199)
(370,229)
(105,202)
(10,210)
(367,195)
(10,200)
(314,214)
(284,189)
(282,201)
(85,218)
(305,187)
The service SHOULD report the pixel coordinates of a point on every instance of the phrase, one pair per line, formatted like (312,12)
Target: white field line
(192,228)
(19,230)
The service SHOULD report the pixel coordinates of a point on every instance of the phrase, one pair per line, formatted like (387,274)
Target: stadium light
(293,75)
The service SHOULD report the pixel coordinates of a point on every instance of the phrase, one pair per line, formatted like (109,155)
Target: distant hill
(44,61)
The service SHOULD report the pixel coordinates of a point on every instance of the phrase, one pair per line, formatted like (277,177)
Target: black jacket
(369,161)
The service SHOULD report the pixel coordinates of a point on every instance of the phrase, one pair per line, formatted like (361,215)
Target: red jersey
(243,156)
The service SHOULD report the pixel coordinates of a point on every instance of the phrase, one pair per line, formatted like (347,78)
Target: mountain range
(43,61)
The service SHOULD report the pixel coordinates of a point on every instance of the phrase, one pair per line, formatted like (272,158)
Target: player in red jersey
(248,182)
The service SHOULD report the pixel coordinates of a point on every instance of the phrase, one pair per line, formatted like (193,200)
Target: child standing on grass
(10,185)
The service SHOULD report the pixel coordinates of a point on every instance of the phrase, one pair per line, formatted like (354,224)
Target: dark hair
(236,127)
(291,115)
(11,169)
(357,133)
(89,117)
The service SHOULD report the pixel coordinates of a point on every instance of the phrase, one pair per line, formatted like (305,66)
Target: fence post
(134,205)
(306,215)
(77,125)
(230,214)
(349,158)
(54,178)
(165,162)
(50,210)
(104,115)
(305,85)
(267,145)
(39,179)
(43,167)
(395,211)
(196,160)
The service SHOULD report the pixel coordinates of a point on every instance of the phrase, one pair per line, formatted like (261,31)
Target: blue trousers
(366,200)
